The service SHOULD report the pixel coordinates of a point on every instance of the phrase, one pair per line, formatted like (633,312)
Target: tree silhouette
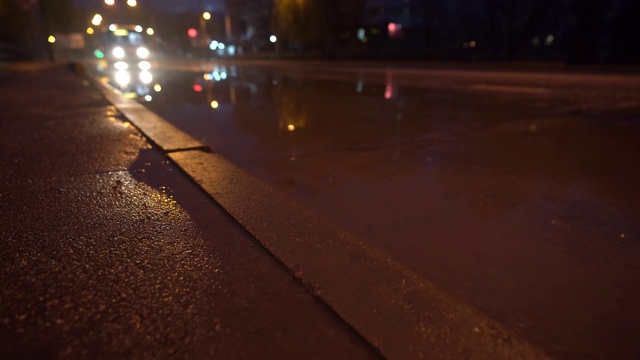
(59,16)
(585,36)
(625,33)
(297,22)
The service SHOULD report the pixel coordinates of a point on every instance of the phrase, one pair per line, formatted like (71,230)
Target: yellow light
(206,15)
(207,76)
(132,2)
(121,32)
(109,2)
(150,31)
(51,39)
(90,31)
(214,104)
(291,127)
(472,44)
(157,87)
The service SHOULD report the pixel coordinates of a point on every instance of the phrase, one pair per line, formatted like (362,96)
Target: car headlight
(121,65)
(146,77)
(144,65)
(118,52)
(142,52)
(123,78)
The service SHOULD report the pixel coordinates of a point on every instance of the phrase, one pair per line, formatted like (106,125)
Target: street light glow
(90,30)
(206,15)
(109,2)
(132,3)
(150,31)
(51,39)
(97,19)
(113,27)
(138,28)
(273,38)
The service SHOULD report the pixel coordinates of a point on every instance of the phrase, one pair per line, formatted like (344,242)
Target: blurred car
(126,50)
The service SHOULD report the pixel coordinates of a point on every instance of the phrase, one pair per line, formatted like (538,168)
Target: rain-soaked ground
(517,192)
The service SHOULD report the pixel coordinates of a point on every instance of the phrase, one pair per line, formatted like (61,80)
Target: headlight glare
(142,52)
(121,65)
(146,77)
(144,65)
(118,52)
(123,78)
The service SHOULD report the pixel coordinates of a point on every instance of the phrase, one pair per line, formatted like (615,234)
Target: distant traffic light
(192,32)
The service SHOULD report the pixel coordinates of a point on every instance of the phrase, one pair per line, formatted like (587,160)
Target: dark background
(569,31)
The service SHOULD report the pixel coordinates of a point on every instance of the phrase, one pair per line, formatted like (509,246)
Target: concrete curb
(399,313)
(162,133)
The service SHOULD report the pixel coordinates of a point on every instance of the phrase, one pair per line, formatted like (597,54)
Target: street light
(203,23)
(97,19)
(273,38)
(109,2)
(132,3)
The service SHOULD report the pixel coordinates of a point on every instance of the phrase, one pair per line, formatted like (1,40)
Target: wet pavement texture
(514,191)
(109,251)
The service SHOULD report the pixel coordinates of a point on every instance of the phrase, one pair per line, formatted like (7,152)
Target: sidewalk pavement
(109,251)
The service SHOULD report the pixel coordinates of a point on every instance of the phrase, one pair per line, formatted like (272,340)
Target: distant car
(127,53)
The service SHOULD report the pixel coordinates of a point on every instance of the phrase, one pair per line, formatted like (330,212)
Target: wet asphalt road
(514,191)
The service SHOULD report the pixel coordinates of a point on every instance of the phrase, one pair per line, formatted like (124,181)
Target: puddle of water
(504,200)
